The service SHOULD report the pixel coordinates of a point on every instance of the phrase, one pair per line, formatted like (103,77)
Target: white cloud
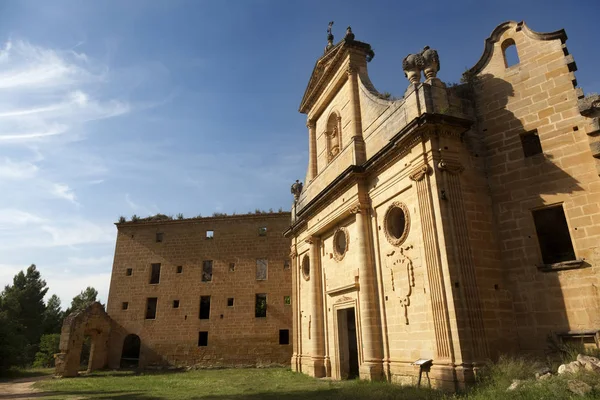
(9,216)
(18,170)
(64,192)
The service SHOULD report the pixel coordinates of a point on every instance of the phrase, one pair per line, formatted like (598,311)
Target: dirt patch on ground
(21,388)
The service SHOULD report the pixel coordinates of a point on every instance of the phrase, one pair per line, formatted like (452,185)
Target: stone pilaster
(317,326)
(312,150)
(295,365)
(356,122)
(371,368)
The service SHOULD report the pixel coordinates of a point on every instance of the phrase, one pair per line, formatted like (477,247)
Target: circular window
(397,223)
(306,267)
(340,243)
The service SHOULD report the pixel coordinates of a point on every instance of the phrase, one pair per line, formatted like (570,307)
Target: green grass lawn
(279,383)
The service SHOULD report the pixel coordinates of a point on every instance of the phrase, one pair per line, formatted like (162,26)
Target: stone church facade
(453,224)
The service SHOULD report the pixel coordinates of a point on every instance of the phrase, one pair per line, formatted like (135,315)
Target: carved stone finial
(329,37)
(413,65)
(296,189)
(431,62)
(349,35)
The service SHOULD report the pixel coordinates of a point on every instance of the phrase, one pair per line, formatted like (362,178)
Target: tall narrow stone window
(155,274)
(284,336)
(204,307)
(260,305)
(207,268)
(202,339)
(531,144)
(334,136)
(553,235)
(129,271)
(509,51)
(151,307)
(261,269)
(159,237)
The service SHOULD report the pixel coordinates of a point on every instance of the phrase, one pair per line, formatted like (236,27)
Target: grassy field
(278,383)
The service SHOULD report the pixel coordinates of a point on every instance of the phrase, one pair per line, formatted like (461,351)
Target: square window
(261,269)
(202,339)
(260,309)
(210,234)
(230,302)
(125,305)
(231,267)
(531,144)
(179,269)
(286,264)
(205,307)
(207,266)
(129,271)
(287,300)
(159,237)
(175,303)
(553,235)
(262,231)
(155,274)
(284,336)
(151,307)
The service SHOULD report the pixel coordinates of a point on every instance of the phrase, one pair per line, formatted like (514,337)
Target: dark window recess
(207,270)
(531,144)
(125,305)
(202,339)
(129,271)
(155,274)
(159,237)
(175,303)
(205,307)
(286,264)
(284,336)
(151,307)
(210,234)
(179,269)
(231,267)
(262,231)
(261,305)
(553,235)
(230,302)
(287,300)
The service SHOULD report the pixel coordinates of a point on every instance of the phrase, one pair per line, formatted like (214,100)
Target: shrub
(122,219)
(180,216)
(49,345)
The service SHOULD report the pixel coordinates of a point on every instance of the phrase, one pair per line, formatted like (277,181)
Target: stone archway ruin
(92,321)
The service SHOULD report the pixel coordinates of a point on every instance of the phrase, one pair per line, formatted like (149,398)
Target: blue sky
(112,108)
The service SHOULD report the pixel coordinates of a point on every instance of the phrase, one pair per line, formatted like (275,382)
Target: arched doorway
(130,357)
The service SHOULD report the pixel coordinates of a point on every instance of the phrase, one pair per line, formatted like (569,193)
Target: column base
(371,371)
(315,367)
(294,363)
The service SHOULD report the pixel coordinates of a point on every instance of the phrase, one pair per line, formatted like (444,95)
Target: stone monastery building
(449,226)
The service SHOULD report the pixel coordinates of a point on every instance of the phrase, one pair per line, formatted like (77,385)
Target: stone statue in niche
(402,277)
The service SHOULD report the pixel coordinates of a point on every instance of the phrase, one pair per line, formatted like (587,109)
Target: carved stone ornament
(451,167)
(341,241)
(311,123)
(329,37)
(396,223)
(349,35)
(432,62)
(402,277)
(293,254)
(420,173)
(413,65)
(296,189)
(355,209)
(343,299)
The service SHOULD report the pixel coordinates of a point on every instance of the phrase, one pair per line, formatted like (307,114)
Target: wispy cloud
(64,192)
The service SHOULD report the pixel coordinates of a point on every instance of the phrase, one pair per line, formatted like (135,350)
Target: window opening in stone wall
(261,305)
(261,269)
(175,303)
(129,271)
(155,274)
(210,234)
(151,307)
(202,339)
(231,267)
(584,340)
(396,223)
(205,307)
(306,267)
(179,269)
(159,237)
(230,302)
(284,336)
(207,266)
(262,231)
(340,243)
(286,264)
(287,300)
(509,50)
(125,305)
(531,144)
(553,235)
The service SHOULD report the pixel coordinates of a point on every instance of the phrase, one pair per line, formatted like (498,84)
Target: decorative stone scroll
(420,173)
(452,167)
(402,277)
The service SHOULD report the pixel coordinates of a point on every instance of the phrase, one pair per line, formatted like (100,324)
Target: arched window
(334,136)
(509,50)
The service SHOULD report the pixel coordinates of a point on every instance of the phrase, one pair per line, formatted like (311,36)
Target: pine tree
(82,300)
(53,316)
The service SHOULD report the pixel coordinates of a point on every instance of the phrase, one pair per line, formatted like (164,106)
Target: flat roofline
(204,219)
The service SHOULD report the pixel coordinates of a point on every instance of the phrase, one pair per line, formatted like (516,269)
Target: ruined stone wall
(235,335)
(539,93)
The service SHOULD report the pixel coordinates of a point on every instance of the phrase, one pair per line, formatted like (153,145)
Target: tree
(53,316)
(83,299)
(49,345)
(12,337)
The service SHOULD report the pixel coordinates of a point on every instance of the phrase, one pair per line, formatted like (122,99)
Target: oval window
(397,223)
(306,267)
(340,243)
